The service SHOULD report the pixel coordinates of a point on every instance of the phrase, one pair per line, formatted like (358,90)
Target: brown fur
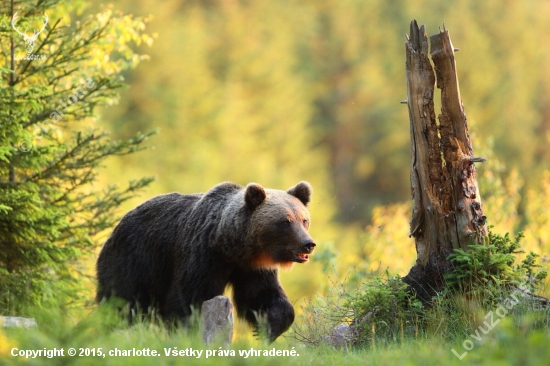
(175,251)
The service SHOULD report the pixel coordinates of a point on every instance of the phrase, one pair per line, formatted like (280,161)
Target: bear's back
(138,257)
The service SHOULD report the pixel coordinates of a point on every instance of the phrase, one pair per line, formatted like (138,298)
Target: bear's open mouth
(302,258)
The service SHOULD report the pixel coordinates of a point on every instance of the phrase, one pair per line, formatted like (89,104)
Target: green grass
(472,316)
(518,339)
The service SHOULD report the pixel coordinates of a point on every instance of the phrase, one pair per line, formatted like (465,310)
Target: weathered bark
(447,211)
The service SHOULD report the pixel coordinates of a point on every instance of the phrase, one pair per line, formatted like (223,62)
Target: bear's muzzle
(307,248)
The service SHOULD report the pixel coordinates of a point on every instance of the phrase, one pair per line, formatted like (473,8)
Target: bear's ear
(302,191)
(254,195)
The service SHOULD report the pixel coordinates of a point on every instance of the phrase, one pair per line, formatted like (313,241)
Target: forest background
(281,91)
(278,92)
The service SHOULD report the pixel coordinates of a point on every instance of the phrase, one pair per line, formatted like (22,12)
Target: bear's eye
(285,222)
(306,222)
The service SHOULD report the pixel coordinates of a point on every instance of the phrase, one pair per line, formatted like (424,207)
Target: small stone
(341,336)
(217,320)
(17,322)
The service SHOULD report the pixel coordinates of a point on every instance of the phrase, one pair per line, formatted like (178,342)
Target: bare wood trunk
(447,211)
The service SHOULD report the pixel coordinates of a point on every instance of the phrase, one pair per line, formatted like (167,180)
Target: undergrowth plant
(381,310)
(489,271)
(377,310)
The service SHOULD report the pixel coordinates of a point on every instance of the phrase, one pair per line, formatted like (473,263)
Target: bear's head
(279,225)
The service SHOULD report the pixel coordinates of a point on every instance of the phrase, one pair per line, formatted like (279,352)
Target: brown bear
(175,251)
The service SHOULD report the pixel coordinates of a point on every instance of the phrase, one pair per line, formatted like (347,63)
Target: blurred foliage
(537,218)
(277,92)
(388,237)
(318,84)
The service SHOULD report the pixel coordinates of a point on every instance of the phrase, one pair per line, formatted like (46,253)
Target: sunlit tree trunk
(447,212)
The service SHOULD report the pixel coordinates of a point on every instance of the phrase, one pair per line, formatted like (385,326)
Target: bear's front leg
(257,292)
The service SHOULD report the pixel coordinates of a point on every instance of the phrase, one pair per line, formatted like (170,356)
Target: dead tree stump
(447,212)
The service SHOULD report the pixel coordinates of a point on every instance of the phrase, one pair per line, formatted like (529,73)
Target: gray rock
(217,320)
(342,335)
(16,321)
